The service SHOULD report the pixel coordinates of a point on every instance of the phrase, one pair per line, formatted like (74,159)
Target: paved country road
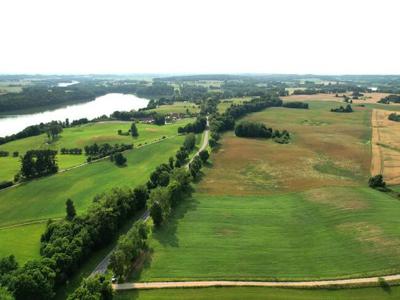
(101,268)
(293,284)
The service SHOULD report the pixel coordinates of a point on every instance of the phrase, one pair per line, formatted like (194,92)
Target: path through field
(295,284)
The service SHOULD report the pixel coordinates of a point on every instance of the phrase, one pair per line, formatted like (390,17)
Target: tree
(54,130)
(133,130)
(5,294)
(204,155)
(118,159)
(35,280)
(93,288)
(376,182)
(190,142)
(36,163)
(171,162)
(70,208)
(159,119)
(195,166)
(156,214)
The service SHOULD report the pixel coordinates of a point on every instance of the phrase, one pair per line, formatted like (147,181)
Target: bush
(377,182)
(342,109)
(5,184)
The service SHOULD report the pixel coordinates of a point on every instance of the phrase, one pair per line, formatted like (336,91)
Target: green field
(226,103)
(296,236)
(267,211)
(178,107)
(258,293)
(21,241)
(45,198)
(80,136)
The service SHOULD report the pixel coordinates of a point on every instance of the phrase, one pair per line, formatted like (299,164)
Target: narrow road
(293,284)
(101,268)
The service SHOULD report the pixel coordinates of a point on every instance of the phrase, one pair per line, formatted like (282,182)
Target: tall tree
(70,208)
(134,131)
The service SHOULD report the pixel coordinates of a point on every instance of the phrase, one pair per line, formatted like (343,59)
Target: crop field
(45,198)
(385,147)
(368,98)
(300,211)
(257,293)
(80,136)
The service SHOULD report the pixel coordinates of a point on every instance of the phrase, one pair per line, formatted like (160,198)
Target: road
(101,268)
(284,284)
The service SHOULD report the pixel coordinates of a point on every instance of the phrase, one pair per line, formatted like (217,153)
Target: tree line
(96,151)
(259,130)
(295,104)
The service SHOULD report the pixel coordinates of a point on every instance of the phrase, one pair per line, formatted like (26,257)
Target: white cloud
(274,36)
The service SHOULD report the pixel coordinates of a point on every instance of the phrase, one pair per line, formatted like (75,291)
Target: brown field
(327,149)
(368,98)
(385,147)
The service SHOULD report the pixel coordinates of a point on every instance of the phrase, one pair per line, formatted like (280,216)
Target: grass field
(102,132)
(255,293)
(326,149)
(44,198)
(178,107)
(321,233)
(226,103)
(21,241)
(301,211)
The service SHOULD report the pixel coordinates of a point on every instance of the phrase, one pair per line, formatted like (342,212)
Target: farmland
(268,211)
(256,293)
(80,136)
(385,147)
(41,199)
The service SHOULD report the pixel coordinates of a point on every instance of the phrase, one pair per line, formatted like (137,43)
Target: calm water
(104,105)
(65,84)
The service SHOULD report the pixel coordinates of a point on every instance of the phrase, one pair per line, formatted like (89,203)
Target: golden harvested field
(367,98)
(327,149)
(385,147)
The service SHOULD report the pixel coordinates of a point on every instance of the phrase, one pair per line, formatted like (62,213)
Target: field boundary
(284,284)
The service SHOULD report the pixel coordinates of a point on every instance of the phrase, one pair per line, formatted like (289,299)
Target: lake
(103,105)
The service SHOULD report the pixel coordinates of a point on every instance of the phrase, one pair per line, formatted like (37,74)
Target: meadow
(256,293)
(80,136)
(178,107)
(297,211)
(45,198)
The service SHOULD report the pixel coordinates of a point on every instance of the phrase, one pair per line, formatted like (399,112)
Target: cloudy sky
(202,36)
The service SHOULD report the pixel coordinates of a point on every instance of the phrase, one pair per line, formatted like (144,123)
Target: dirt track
(294,284)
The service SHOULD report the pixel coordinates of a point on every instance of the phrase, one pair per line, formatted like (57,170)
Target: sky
(204,36)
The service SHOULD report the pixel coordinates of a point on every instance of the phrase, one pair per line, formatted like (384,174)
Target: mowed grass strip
(261,293)
(326,149)
(22,241)
(336,232)
(79,137)
(45,198)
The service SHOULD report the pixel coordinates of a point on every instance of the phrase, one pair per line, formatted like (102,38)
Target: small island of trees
(342,109)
